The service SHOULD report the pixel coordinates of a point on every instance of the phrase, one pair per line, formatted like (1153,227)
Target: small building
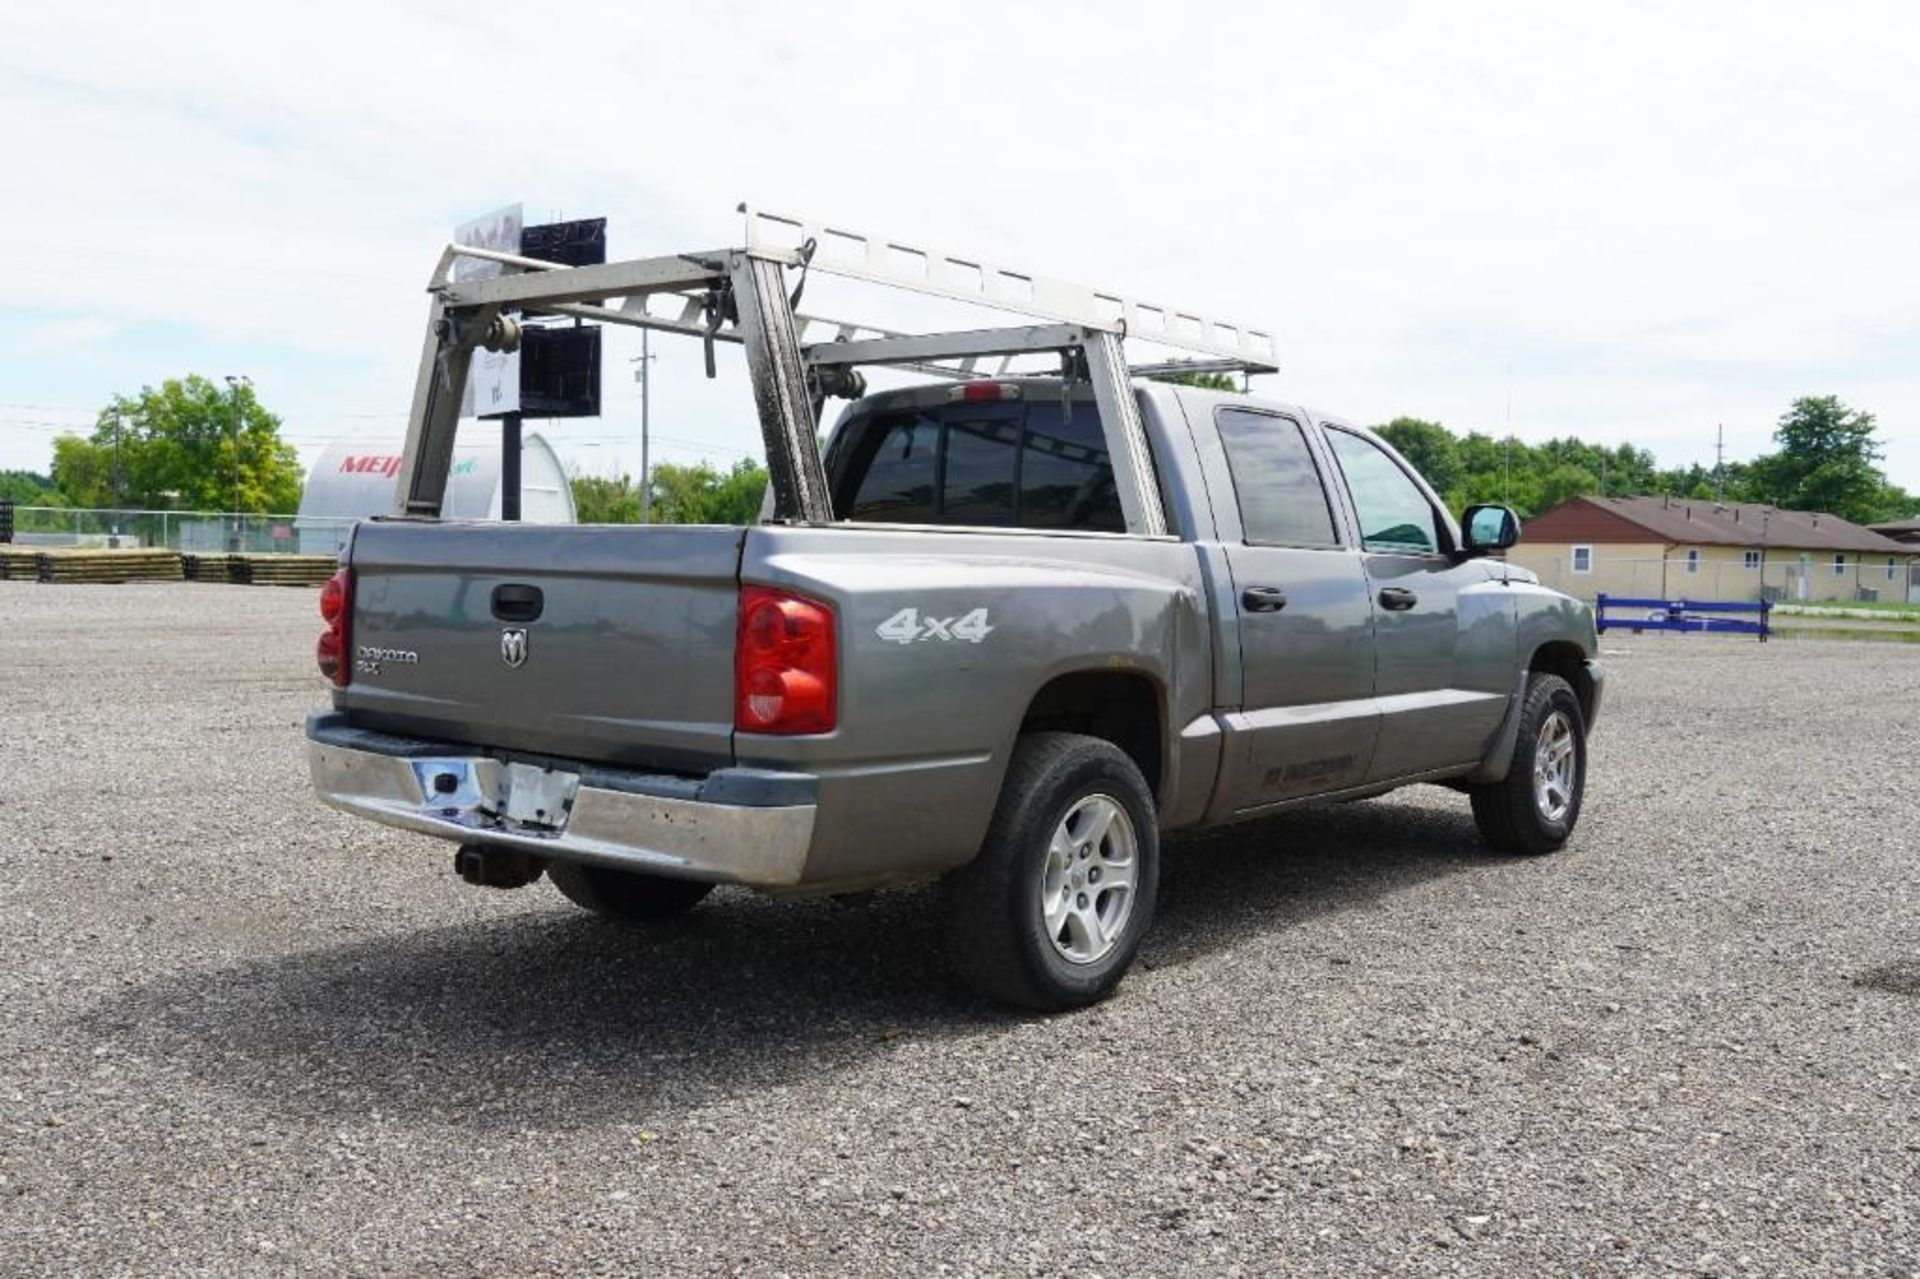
(1907,533)
(1672,548)
(355,478)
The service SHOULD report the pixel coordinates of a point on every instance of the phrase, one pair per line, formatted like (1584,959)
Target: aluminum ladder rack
(740,296)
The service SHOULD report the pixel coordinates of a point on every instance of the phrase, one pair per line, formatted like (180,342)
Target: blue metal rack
(1684,615)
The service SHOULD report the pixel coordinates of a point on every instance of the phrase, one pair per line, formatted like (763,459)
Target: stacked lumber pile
(142,565)
(282,570)
(48,564)
(206,568)
(19,563)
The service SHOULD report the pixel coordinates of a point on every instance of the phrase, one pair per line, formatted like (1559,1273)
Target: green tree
(1429,446)
(1562,483)
(1895,503)
(177,445)
(696,494)
(29,488)
(1826,462)
(598,499)
(699,494)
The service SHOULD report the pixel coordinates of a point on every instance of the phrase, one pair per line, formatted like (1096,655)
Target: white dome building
(354,479)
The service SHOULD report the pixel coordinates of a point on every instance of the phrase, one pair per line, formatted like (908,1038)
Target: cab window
(1014,464)
(1282,501)
(1395,516)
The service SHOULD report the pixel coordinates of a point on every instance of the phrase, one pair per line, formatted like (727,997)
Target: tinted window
(1394,514)
(1281,499)
(899,456)
(1066,480)
(979,478)
(1005,464)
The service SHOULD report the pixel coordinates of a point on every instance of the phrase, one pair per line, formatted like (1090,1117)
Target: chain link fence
(196,532)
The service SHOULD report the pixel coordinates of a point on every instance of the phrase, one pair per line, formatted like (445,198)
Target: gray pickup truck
(984,653)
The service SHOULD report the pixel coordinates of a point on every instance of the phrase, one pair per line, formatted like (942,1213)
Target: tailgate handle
(517,602)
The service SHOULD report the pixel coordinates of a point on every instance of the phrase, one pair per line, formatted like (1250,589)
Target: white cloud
(1662,217)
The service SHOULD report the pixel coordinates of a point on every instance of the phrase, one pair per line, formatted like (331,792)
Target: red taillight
(336,610)
(782,664)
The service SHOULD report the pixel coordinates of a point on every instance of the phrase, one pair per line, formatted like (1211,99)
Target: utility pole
(234,383)
(1506,483)
(1719,464)
(645,377)
(119,482)
(119,471)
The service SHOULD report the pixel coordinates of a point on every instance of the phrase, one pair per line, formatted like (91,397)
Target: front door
(1304,625)
(1443,626)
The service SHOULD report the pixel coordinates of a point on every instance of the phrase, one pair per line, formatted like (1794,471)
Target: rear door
(1443,630)
(1299,612)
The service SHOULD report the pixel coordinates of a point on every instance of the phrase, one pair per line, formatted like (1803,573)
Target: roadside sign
(499,231)
(493,380)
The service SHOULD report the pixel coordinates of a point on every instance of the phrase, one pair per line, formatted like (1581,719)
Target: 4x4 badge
(513,646)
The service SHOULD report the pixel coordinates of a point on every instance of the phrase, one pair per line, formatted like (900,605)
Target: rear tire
(1051,913)
(1534,809)
(621,894)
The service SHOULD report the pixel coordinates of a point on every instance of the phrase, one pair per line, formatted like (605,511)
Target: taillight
(782,664)
(336,610)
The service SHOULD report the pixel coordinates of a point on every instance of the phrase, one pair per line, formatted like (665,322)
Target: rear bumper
(736,825)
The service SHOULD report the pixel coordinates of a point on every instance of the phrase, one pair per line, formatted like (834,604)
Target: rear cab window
(1013,464)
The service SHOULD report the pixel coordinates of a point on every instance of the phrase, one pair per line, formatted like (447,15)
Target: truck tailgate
(628,661)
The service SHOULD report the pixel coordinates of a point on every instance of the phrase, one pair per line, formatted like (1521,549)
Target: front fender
(1541,617)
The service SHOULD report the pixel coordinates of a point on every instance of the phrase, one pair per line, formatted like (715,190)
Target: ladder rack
(744,296)
(971,278)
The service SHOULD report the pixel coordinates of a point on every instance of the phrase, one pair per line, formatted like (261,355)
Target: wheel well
(1569,662)
(1117,706)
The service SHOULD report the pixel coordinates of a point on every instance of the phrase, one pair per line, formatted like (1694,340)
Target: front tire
(629,895)
(1052,912)
(1534,809)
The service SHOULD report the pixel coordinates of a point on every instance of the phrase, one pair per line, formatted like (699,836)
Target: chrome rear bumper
(630,821)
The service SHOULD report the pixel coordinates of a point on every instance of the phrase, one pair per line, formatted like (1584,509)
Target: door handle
(1263,599)
(1397,599)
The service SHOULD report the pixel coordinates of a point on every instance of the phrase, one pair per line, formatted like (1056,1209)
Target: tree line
(1826,459)
(183,445)
(697,494)
(190,445)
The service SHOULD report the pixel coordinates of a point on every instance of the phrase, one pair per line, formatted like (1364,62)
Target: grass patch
(1891,610)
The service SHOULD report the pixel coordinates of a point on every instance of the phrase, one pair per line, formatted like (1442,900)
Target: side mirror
(1489,528)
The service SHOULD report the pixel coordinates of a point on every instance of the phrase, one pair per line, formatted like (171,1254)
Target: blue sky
(1660,219)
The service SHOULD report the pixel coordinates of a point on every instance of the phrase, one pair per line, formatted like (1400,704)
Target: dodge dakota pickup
(1003,631)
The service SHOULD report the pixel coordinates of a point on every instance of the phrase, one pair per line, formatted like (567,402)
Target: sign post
(510,467)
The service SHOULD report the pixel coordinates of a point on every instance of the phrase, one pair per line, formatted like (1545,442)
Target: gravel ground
(242,1034)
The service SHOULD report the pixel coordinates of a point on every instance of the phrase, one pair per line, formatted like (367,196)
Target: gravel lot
(242,1034)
